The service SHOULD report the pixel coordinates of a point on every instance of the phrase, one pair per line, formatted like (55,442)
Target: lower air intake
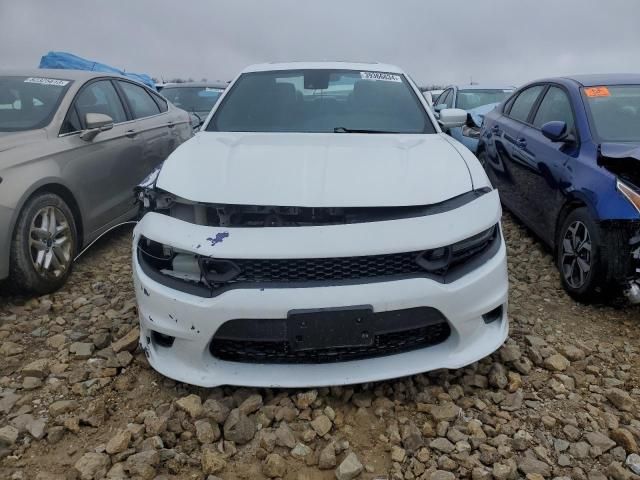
(270,341)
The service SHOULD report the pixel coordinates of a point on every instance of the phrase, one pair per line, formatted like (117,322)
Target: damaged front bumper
(621,245)
(217,335)
(632,290)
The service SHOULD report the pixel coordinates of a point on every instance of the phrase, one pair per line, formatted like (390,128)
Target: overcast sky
(447,41)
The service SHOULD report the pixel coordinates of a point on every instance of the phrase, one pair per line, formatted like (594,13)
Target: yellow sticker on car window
(597,92)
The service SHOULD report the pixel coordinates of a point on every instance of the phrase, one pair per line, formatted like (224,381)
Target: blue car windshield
(321,101)
(474,98)
(28,103)
(615,112)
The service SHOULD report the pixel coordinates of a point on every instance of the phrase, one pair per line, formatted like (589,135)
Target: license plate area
(335,327)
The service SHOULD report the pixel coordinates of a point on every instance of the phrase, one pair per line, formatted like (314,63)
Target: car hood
(622,159)
(9,140)
(477,114)
(621,150)
(315,170)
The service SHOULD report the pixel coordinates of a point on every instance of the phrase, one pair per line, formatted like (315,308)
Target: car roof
(221,85)
(483,87)
(605,79)
(60,73)
(364,66)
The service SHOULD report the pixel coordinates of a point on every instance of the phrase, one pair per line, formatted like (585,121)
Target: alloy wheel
(576,255)
(50,242)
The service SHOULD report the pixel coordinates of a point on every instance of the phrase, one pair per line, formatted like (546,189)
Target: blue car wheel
(580,257)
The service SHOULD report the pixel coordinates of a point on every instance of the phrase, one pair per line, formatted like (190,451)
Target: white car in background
(431,95)
(319,230)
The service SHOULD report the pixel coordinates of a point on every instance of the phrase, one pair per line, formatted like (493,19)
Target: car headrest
(284,92)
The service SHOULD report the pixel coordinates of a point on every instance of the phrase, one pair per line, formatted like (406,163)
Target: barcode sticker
(47,81)
(380,76)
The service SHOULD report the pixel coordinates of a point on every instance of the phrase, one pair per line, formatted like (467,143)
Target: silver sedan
(73,145)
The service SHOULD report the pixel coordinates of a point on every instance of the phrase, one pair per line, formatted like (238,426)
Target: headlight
(471,132)
(441,259)
(630,194)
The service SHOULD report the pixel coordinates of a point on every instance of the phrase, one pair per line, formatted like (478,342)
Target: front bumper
(193,320)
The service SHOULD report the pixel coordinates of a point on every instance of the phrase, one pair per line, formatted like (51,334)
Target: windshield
(469,99)
(192,99)
(615,112)
(317,101)
(27,103)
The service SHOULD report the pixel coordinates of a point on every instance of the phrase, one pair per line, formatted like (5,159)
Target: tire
(42,250)
(581,258)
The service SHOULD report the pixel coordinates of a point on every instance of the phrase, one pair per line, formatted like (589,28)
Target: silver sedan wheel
(50,242)
(576,254)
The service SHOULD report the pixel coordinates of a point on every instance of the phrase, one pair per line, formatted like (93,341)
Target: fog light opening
(162,340)
(493,315)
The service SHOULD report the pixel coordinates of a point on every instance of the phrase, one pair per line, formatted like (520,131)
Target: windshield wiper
(353,130)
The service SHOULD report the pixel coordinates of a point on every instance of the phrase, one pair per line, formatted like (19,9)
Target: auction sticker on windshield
(47,81)
(597,91)
(379,76)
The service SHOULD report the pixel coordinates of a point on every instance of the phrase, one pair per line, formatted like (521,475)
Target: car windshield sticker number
(379,76)
(597,91)
(47,81)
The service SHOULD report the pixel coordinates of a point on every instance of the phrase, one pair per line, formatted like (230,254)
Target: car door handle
(131,133)
(521,143)
(171,124)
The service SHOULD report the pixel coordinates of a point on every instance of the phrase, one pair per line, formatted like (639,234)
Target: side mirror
(96,123)
(452,118)
(556,131)
(439,107)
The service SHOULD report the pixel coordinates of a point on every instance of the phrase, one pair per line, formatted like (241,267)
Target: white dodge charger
(320,229)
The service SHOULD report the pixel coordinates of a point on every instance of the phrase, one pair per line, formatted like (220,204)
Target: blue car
(477,100)
(564,154)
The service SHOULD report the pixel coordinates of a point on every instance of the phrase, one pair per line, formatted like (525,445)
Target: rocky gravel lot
(560,400)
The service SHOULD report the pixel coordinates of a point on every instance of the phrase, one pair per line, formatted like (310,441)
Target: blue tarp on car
(69,61)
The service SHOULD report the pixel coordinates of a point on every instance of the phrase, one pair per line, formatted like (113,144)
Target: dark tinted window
(72,122)
(507,106)
(28,103)
(524,102)
(162,103)
(555,106)
(615,112)
(100,97)
(321,100)
(140,101)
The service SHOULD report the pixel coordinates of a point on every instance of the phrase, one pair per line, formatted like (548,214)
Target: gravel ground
(560,400)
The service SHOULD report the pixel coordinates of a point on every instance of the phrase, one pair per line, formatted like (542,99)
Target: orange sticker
(596,91)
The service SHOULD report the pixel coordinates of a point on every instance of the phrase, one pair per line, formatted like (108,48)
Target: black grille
(319,269)
(444,264)
(274,340)
(279,352)
(336,269)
